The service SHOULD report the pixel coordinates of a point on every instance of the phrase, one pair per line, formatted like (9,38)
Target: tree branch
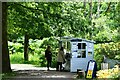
(58,16)
(108,8)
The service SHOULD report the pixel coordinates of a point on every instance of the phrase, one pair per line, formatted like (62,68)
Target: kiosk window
(89,53)
(81,46)
(81,50)
(83,54)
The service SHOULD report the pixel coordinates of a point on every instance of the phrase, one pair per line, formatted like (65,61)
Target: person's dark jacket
(48,55)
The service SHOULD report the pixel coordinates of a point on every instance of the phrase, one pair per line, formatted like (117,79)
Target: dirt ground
(30,72)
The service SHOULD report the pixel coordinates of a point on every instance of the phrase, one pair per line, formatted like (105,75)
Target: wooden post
(104,66)
(80,73)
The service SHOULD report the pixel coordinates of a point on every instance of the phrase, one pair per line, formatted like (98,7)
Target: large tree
(76,19)
(28,20)
(5,52)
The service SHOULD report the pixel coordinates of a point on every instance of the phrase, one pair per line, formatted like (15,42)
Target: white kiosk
(81,51)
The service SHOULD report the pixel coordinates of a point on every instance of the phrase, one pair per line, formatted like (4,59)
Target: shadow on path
(30,72)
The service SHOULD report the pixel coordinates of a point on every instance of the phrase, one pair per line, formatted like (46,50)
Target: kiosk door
(78,60)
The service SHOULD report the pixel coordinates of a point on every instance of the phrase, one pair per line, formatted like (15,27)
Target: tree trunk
(26,43)
(98,8)
(84,8)
(5,52)
(90,15)
(0,40)
(84,5)
(108,8)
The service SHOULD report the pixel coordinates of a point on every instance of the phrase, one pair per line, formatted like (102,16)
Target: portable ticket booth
(81,52)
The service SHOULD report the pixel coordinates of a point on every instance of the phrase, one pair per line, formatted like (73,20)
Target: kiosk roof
(75,39)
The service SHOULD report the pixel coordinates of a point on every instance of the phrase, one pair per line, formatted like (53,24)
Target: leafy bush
(54,61)
(50,41)
(111,50)
(16,58)
(36,51)
(15,47)
(54,46)
(109,73)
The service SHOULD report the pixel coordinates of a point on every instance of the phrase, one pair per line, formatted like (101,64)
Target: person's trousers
(59,66)
(48,63)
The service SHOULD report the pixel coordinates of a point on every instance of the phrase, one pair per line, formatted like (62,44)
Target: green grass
(36,59)
(16,58)
(8,75)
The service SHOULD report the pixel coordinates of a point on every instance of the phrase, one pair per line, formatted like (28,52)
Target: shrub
(16,58)
(110,50)
(15,47)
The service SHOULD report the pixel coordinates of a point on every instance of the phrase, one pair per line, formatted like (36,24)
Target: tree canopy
(77,19)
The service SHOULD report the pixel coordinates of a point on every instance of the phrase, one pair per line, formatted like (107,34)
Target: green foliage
(40,20)
(37,59)
(27,19)
(8,75)
(15,47)
(110,50)
(104,26)
(98,56)
(34,46)
(36,52)
(54,46)
(16,58)
(42,60)
(115,76)
(50,41)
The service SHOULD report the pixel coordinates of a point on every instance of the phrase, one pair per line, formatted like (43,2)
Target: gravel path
(28,71)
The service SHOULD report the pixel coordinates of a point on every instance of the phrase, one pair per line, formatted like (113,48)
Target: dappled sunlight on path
(30,71)
(16,67)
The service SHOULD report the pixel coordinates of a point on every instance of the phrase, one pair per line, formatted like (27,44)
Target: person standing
(60,59)
(48,56)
